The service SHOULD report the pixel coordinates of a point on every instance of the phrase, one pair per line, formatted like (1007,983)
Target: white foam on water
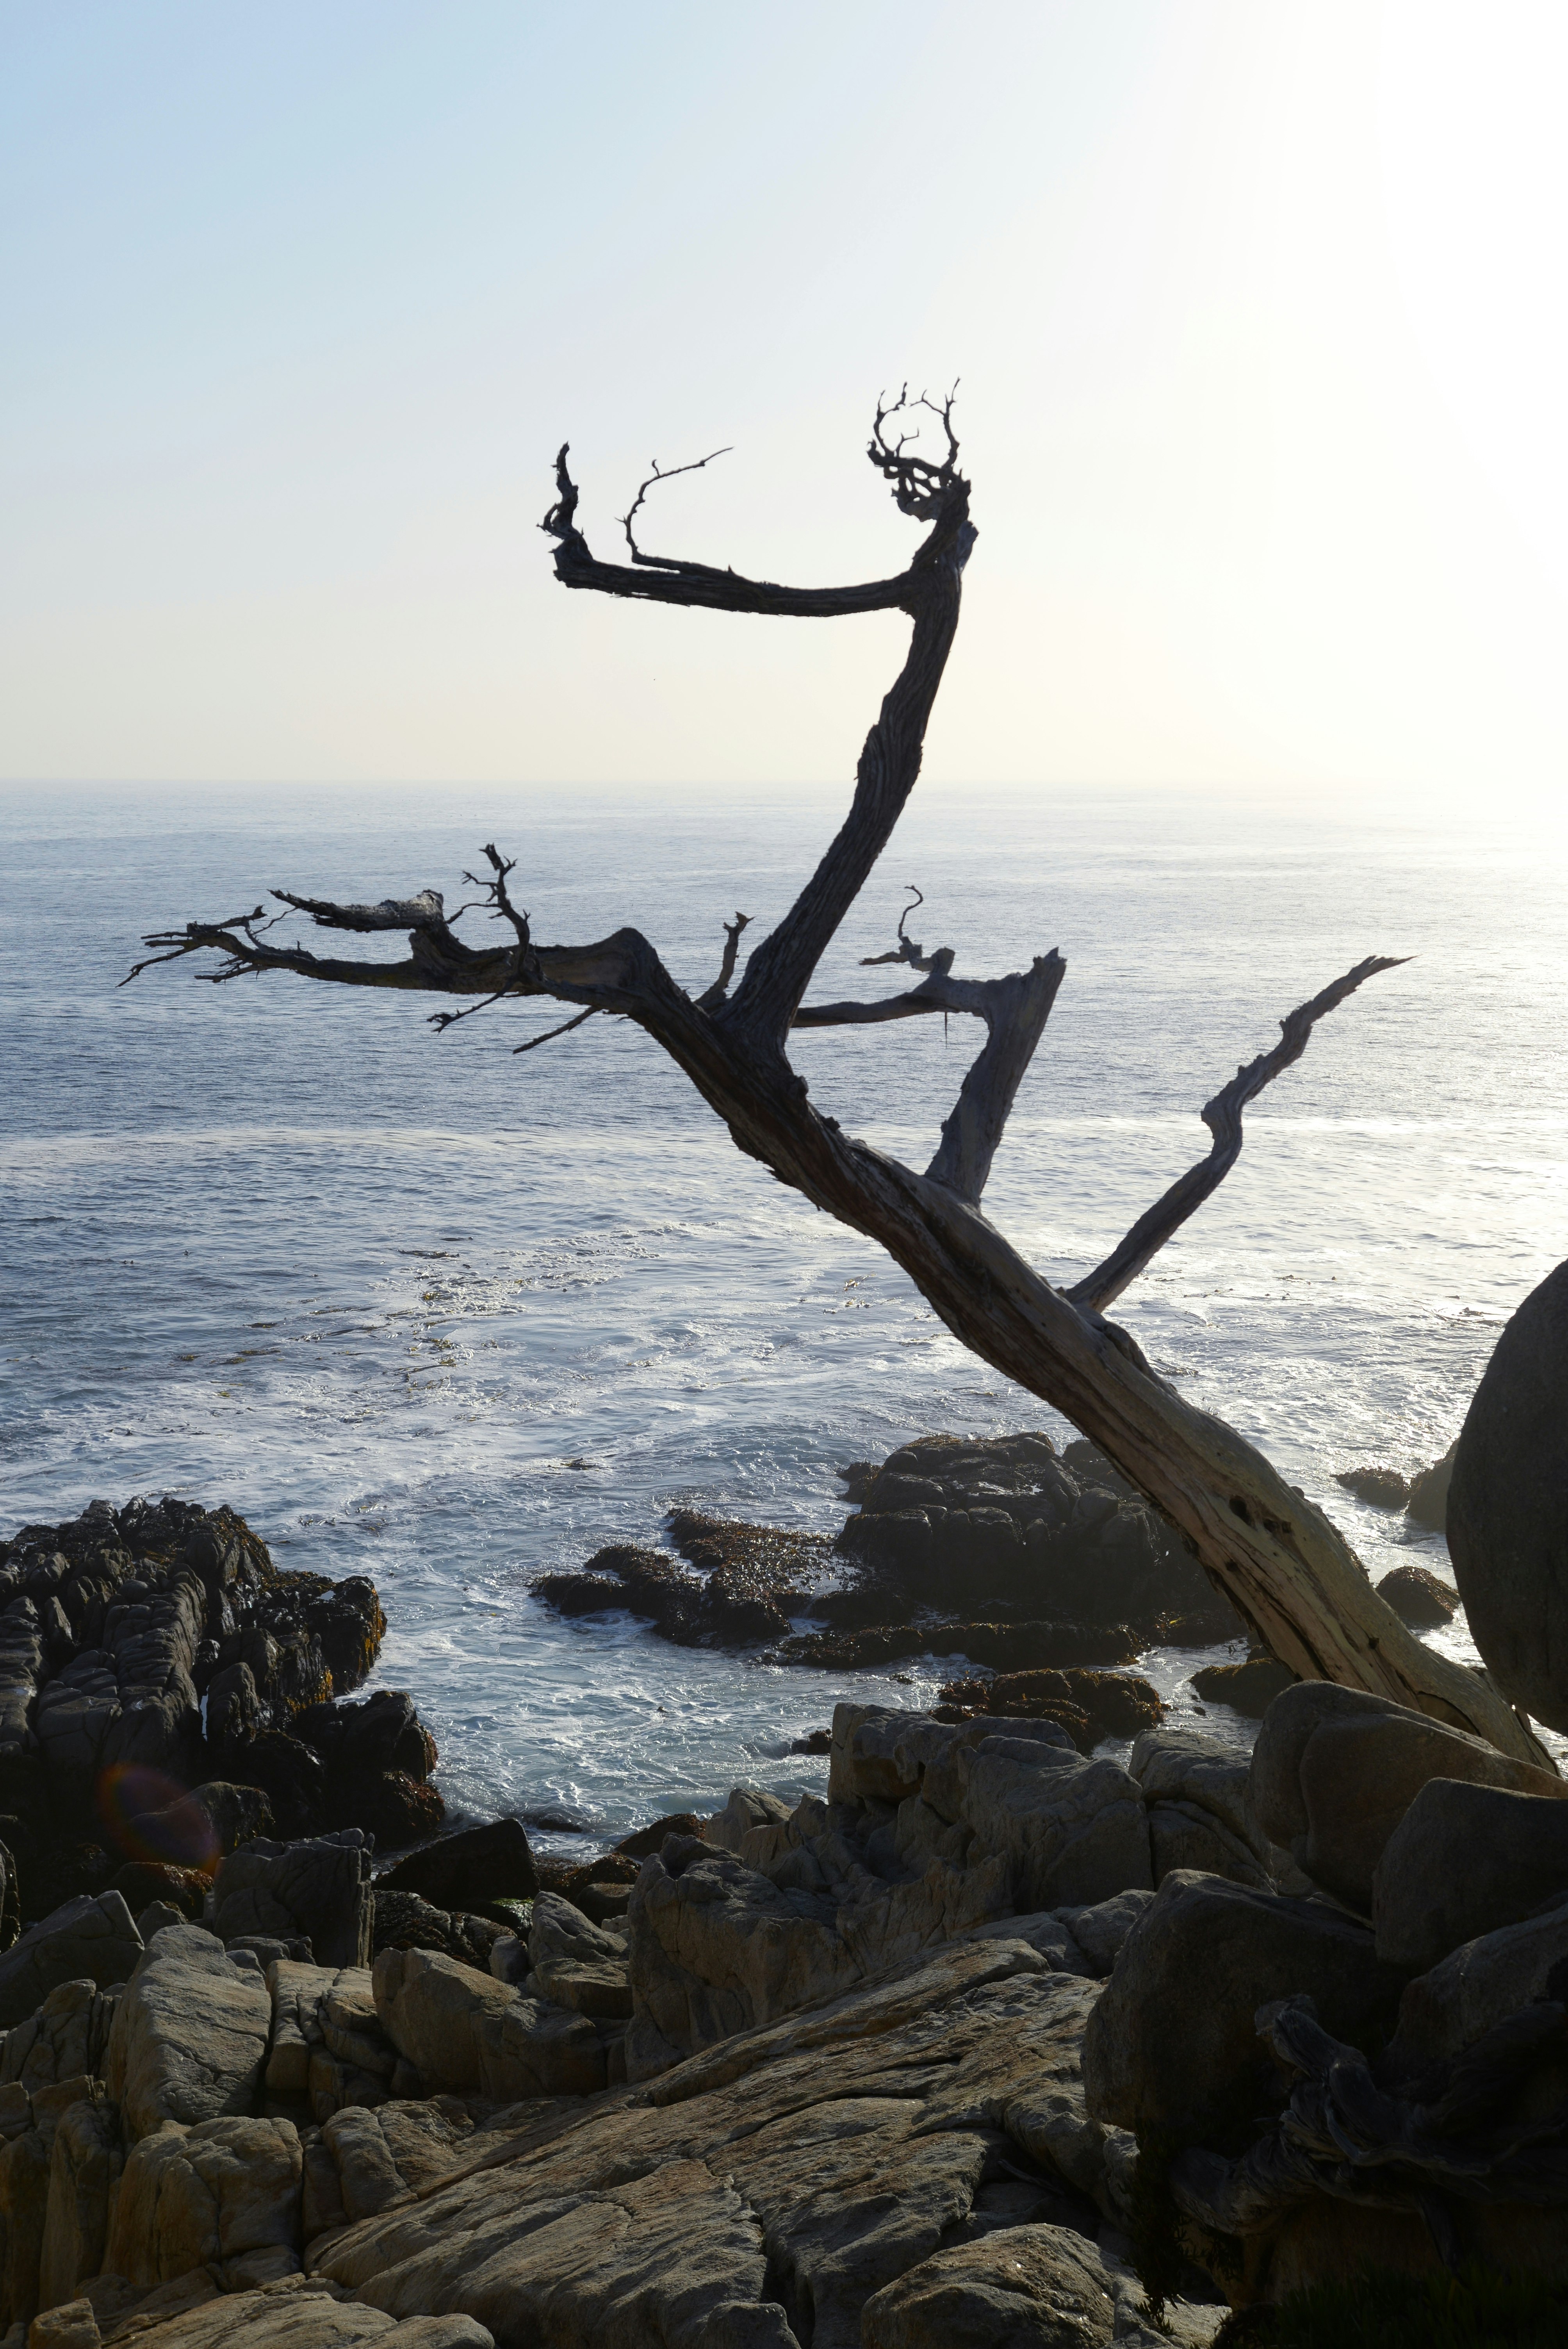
(280,1246)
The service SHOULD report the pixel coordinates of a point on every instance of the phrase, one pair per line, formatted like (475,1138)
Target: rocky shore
(1000,2042)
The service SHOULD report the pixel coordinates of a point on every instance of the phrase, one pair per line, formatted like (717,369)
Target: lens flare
(150,1818)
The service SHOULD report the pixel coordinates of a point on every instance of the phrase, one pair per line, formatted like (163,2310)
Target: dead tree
(1278,1560)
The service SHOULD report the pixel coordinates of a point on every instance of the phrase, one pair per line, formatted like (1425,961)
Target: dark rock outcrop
(403,1920)
(114,1627)
(469,1870)
(1383,1488)
(1010,1647)
(1418,1597)
(1089,1705)
(748,1581)
(1508,1506)
(1466,1860)
(1248,1688)
(1335,1770)
(1020,1532)
(1172,2049)
(1054,1561)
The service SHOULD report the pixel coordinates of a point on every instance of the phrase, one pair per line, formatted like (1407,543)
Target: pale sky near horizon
(1258,311)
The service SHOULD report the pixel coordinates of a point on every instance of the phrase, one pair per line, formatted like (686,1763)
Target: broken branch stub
(1281,1563)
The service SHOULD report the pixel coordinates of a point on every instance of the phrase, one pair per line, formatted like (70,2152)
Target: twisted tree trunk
(1287,1570)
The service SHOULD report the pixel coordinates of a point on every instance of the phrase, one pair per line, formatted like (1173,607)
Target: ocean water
(429,1311)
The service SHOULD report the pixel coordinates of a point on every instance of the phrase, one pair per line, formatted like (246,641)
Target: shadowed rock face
(1508,1506)
(1007,1529)
(113,1628)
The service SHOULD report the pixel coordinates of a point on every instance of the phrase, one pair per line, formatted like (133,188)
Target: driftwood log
(1279,1561)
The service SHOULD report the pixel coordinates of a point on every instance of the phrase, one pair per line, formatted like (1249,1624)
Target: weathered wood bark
(1278,1559)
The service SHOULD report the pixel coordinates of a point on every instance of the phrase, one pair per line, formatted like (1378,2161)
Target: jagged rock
(1248,1688)
(1099,1930)
(932,1829)
(190,2034)
(1054,1559)
(1172,2047)
(328,2047)
(204,1825)
(1509,1503)
(680,1607)
(1466,1860)
(28,2127)
(576,1964)
(1418,1597)
(1091,1705)
(290,1774)
(748,1807)
(394,1808)
(758,1575)
(318,1889)
(1335,1770)
(71,2326)
(92,1939)
(378,1756)
(531,2047)
(404,1921)
(235,1712)
(1429,1488)
(1477,1986)
(110,1627)
(751,1579)
(1383,1488)
(142,1882)
(68,2037)
(1029,1535)
(879,1755)
(468,1869)
(1038,2285)
(1073,1831)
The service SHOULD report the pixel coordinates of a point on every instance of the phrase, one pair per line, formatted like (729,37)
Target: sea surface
(429,1311)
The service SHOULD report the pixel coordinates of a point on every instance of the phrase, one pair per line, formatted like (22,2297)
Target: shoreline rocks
(999,1551)
(879,2067)
(117,1628)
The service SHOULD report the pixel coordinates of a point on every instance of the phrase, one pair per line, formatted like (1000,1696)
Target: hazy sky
(1258,309)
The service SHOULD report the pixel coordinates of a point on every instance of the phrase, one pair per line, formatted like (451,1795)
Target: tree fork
(1284,1567)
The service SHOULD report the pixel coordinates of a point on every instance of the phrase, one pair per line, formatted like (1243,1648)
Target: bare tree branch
(549,1034)
(1014,1010)
(906,949)
(659,562)
(1222,1116)
(715,995)
(1281,1564)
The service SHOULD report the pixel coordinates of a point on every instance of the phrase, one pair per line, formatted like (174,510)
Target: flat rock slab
(300,2312)
(760,2194)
